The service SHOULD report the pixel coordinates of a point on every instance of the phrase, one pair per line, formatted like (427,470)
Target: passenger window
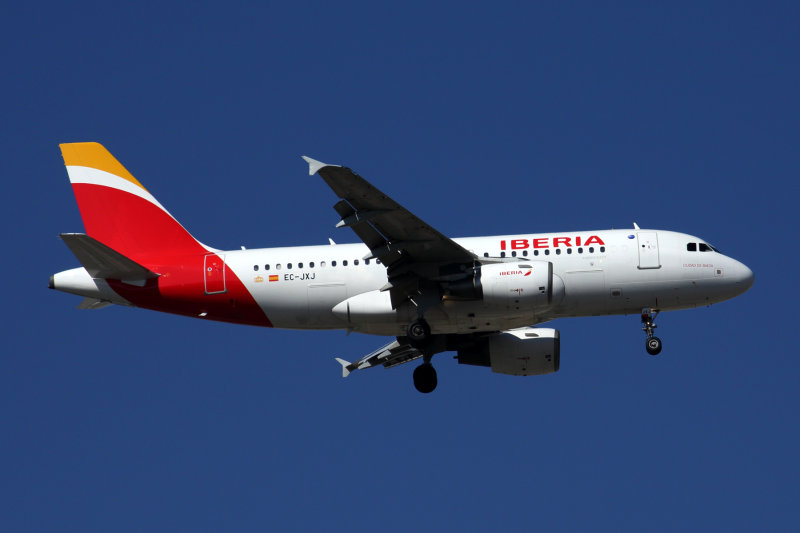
(255,267)
(278,266)
(569,250)
(691,247)
(580,250)
(355,262)
(602,249)
(288,266)
(366,261)
(377,261)
(513,254)
(536,252)
(333,263)
(591,249)
(266,267)
(485,254)
(525,253)
(322,264)
(299,265)
(547,252)
(311,264)
(502,254)
(558,251)
(344,263)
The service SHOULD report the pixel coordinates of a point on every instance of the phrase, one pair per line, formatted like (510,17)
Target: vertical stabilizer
(118,211)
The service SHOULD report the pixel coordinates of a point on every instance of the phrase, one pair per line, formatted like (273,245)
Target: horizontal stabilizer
(93,303)
(345,364)
(100,261)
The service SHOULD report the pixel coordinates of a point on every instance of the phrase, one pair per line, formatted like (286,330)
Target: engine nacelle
(516,286)
(373,306)
(519,352)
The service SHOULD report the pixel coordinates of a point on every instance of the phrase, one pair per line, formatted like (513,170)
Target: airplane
(483,298)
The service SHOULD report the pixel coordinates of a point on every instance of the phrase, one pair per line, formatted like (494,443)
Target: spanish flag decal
(273,277)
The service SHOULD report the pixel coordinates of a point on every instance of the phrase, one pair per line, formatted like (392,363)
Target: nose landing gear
(653,343)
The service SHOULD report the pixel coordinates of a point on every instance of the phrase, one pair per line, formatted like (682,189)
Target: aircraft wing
(393,354)
(412,250)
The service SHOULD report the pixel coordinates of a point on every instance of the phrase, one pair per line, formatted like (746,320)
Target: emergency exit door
(214,272)
(648,249)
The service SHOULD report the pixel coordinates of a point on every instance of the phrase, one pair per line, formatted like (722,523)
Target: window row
(357,262)
(547,251)
(312,264)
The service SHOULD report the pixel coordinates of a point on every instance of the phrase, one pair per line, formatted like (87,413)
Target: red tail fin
(119,212)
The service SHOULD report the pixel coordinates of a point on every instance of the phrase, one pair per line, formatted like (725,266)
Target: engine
(519,352)
(528,285)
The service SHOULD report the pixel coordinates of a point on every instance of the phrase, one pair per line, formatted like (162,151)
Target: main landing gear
(419,336)
(425,379)
(653,343)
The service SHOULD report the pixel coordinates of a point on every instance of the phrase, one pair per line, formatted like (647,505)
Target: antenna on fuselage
(635,226)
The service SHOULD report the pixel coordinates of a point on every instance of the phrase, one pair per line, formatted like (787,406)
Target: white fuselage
(631,270)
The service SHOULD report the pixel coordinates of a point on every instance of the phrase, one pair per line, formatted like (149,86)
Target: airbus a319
(483,298)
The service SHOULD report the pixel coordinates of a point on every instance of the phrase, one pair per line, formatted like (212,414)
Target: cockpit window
(706,247)
(691,247)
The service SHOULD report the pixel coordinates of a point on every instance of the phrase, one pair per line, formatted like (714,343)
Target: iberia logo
(258,279)
(516,273)
(273,277)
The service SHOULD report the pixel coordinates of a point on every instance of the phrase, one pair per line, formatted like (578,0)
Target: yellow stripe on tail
(94,155)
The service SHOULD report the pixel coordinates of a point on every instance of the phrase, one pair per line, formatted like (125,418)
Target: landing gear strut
(653,343)
(419,336)
(425,377)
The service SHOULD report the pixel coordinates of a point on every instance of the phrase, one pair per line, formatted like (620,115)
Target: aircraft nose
(744,276)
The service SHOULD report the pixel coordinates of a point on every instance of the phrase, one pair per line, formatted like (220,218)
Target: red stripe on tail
(131,225)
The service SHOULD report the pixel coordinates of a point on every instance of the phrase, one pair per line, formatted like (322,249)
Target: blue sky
(482,119)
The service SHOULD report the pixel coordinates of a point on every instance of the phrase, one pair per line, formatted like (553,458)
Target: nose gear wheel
(653,343)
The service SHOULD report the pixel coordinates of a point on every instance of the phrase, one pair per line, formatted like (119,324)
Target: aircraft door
(214,273)
(648,249)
